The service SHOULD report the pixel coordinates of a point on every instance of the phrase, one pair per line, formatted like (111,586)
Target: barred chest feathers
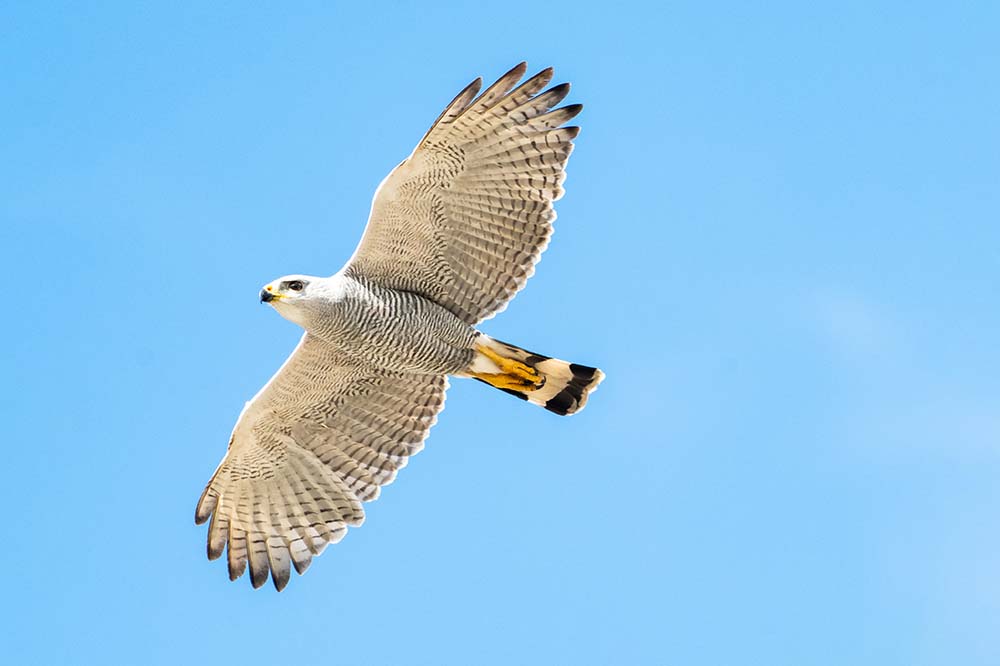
(389,328)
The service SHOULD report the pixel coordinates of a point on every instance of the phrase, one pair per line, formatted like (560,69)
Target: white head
(298,298)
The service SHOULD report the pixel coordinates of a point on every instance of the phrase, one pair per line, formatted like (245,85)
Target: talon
(505,382)
(531,378)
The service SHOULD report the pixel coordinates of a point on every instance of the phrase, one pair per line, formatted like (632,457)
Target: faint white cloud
(892,393)
(950,418)
(853,323)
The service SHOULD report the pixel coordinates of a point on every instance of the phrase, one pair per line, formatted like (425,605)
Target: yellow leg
(513,374)
(505,382)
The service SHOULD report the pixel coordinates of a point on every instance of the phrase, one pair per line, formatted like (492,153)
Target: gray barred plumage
(454,232)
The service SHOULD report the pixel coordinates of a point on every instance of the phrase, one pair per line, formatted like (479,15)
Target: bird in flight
(454,233)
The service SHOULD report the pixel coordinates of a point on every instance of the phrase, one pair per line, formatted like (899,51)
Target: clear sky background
(780,240)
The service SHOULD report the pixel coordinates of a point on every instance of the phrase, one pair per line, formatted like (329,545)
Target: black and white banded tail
(559,386)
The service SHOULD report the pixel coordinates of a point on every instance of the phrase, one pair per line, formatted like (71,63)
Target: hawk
(454,233)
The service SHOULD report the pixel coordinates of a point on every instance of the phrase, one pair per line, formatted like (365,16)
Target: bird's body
(388,328)
(454,233)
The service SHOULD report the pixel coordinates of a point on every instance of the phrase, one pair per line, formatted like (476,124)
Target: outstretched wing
(465,218)
(319,439)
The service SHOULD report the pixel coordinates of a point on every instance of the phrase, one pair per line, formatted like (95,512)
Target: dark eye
(296,285)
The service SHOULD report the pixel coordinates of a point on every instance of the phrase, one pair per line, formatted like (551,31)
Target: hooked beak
(267,294)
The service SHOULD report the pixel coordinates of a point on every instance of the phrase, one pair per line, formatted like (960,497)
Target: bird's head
(292,296)
(287,290)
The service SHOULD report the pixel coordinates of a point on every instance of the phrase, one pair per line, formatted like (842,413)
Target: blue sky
(780,241)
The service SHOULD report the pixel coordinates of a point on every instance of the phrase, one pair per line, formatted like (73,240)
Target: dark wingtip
(202,512)
(520,68)
(213,553)
(258,578)
(540,79)
(572,110)
(474,87)
(301,567)
(560,90)
(280,581)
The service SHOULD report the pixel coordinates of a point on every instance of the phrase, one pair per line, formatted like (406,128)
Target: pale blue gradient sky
(780,240)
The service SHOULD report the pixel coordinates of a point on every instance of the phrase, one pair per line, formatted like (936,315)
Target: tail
(556,385)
